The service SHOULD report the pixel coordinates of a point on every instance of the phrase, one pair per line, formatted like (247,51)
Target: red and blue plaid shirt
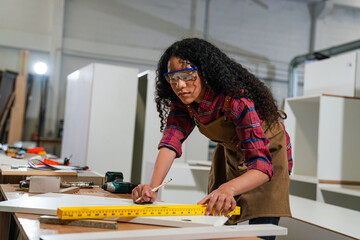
(254,144)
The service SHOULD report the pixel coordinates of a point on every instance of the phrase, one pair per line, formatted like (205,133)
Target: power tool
(114,183)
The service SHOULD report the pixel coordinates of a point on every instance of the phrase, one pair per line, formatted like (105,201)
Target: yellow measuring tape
(133,211)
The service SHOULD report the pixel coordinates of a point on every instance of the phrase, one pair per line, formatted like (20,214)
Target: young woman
(198,85)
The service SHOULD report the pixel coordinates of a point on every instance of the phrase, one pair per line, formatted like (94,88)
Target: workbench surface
(28,226)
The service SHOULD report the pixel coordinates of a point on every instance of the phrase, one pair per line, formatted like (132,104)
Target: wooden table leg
(5,219)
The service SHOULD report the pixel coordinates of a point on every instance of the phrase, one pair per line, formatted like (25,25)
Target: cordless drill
(114,183)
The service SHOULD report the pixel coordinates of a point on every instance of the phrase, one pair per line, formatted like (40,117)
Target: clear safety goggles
(186,74)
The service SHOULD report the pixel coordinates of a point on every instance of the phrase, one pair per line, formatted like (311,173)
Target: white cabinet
(324,132)
(100,118)
(339,75)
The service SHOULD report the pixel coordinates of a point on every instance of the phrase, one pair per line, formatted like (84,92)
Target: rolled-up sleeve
(254,143)
(178,127)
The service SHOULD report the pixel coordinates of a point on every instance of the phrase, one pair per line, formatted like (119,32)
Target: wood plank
(107,224)
(332,95)
(342,182)
(179,233)
(17,111)
(17,114)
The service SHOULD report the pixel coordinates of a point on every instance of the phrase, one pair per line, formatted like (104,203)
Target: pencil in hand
(156,188)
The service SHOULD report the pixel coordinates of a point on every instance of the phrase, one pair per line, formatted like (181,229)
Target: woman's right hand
(143,194)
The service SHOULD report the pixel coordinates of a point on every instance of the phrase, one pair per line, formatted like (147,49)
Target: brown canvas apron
(268,200)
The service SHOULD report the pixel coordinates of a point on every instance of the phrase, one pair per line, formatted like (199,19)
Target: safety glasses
(186,74)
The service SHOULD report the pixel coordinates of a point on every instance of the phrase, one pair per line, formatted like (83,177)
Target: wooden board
(47,204)
(93,223)
(178,233)
(17,114)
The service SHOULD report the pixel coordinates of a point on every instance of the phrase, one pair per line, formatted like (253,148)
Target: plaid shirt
(254,144)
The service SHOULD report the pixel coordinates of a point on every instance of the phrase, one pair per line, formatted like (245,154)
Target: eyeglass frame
(180,70)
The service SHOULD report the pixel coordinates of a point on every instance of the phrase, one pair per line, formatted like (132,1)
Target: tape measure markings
(133,211)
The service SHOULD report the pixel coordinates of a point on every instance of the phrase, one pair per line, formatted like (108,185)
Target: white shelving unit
(324,133)
(349,190)
(317,220)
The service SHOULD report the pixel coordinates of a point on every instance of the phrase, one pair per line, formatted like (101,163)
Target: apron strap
(226,106)
(226,103)
(282,114)
(191,113)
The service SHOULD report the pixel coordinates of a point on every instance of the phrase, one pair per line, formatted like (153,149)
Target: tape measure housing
(133,211)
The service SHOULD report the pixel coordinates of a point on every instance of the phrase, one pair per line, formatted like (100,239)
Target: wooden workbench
(9,175)
(28,226)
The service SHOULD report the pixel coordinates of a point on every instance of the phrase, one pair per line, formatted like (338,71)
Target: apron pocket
(242,167)
(233,172)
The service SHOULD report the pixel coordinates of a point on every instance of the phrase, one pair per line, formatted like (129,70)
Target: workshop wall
(341,25)
(262,35)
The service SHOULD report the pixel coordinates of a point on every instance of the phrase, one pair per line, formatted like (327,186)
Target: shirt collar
(207,100)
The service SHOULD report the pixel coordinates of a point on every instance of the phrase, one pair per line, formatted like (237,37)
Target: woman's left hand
(219,201)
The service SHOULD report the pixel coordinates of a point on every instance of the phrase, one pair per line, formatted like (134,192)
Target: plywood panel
(180,233)
(48,203)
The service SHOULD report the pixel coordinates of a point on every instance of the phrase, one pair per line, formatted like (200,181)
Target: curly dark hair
(220,72)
